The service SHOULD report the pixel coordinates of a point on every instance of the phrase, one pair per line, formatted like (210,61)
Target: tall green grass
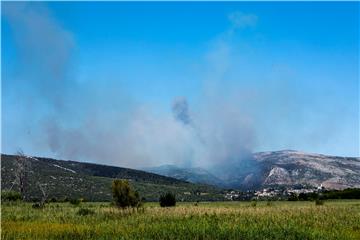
(226,220)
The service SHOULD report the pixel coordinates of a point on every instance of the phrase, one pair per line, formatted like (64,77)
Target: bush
(167,200)
(123,195)
(10,196)
(85,211)
(75,202)
(308,196)
(293,197)
(37,206)
(319,202)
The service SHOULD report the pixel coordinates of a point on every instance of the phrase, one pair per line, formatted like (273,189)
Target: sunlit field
(218,220)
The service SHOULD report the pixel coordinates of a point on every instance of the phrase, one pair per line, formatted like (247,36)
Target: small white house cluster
(270,193)
(232,195)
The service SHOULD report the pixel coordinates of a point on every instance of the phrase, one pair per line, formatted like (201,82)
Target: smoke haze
(126,134)
(104,124)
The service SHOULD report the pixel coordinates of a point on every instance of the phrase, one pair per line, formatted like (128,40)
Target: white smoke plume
(132,135)
(103,124)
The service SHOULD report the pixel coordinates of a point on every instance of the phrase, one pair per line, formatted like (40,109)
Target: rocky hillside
(297,168)
(286,168)
(71,179)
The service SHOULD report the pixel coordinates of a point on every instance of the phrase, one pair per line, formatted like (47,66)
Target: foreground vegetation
(218,220)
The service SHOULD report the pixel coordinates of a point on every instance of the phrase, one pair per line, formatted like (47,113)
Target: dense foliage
(350,193)
(123,195)
(10,196)
(308,196)
(75,201)
(167,200)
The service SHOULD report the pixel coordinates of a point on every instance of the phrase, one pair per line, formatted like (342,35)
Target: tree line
(349,193)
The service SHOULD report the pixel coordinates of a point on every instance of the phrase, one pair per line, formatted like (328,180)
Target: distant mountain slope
(291,167)
(194,175)
(287,168)
(93,181)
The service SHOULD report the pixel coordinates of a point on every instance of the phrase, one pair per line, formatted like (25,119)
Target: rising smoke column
(180,109)
(221,133)
(125,134)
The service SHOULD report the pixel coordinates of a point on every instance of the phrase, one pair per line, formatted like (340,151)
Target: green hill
(71,179)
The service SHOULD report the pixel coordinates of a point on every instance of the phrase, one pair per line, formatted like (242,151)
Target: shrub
(85,211)
(308,196)
(293,197)
(319,202)
(253,203)
(37,206)
(167,200)
(10,196)
(75,201)
(123,195)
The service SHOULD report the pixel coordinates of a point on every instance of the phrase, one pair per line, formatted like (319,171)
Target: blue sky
(106,76)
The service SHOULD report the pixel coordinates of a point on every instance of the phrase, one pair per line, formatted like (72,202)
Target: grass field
(218,220)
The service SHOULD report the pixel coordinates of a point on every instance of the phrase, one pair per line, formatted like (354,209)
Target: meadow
(216,220)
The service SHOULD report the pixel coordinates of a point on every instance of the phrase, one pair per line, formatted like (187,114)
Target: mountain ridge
(72,179)
(286,168)
(277,169)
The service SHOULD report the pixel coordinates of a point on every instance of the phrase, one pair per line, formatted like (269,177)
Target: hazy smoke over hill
(102,123)
(132,135)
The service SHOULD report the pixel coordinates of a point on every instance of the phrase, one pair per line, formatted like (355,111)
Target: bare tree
(22,167)
(22,170)
(44,190)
